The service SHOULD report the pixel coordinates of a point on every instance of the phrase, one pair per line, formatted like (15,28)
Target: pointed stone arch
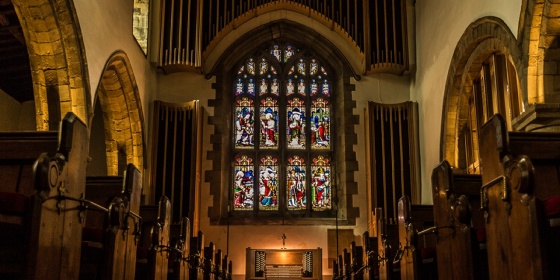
(123,120)
(57,59)
(480,40)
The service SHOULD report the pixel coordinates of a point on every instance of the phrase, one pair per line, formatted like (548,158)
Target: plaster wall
(106,27)
(439,26)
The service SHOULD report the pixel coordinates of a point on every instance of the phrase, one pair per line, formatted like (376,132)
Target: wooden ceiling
(15,72)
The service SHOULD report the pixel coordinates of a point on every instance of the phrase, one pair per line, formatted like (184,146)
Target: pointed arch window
(282,112)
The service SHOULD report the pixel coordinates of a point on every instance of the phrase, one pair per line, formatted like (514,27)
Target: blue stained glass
(325,88)
(239,86)
(244,124)
(313,88)
(295,184)
(243,184)
(251,87)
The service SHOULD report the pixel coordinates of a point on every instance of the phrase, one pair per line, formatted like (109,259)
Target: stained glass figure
(313,67)
(320,184)
(301,67)
(295,184)
(263,67)
(274,87)
(320,124)
(251,87)
(276,52)
(243,183)
(251,66)
(239,87)
(269,123)
(263,87)
(301,87)
(268,184)
(244,124)
(290,87)
(295,124)
(288,52)
(313,88)
(326,89)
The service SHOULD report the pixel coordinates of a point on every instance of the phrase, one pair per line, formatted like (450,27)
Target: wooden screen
(393,165)
(176,157)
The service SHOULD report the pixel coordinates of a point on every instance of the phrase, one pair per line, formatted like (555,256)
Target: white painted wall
(439,26)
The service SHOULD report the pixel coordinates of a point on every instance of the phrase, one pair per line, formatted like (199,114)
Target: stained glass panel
(263,87)
(313,88)
(320,124)
(288,52)
(295,184)
(301,87)
(276,52)
(320,184)
(313,67)
(269,123)
(244,124)
(251,66)
(274,88)
(263,67)
(239,87)
(268,184)
(243,183)
(251,87)
(290,87)
(295,124)
(301,67)
(325,88)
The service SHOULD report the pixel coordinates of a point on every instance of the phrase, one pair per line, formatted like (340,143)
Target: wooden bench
(111,234)
(18,153)
(520,199)
(154,243)
(197,256)
(370,256)
(387,239)
(57,208)
(180,251)
(415,253)
(459,224)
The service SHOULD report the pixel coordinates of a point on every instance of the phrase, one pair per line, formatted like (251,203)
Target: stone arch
(123,120)
(541,47)
(481,39)
(282,13)
(346,138)
(57,59)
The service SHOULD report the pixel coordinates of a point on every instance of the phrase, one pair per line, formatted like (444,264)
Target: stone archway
(57,58)
(482,38)
(123,121)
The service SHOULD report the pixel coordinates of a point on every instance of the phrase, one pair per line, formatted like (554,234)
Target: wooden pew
(179,257)
(371,269)
(520,170)
(154,242)
(413,255)
(111,253)
(197,256)
(18,153)
(385,244)
(57,208)
(456,198)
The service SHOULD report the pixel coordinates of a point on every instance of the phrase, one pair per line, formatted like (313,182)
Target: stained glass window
(282,114)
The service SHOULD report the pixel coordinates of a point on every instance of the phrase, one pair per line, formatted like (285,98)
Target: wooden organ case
(285,264)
